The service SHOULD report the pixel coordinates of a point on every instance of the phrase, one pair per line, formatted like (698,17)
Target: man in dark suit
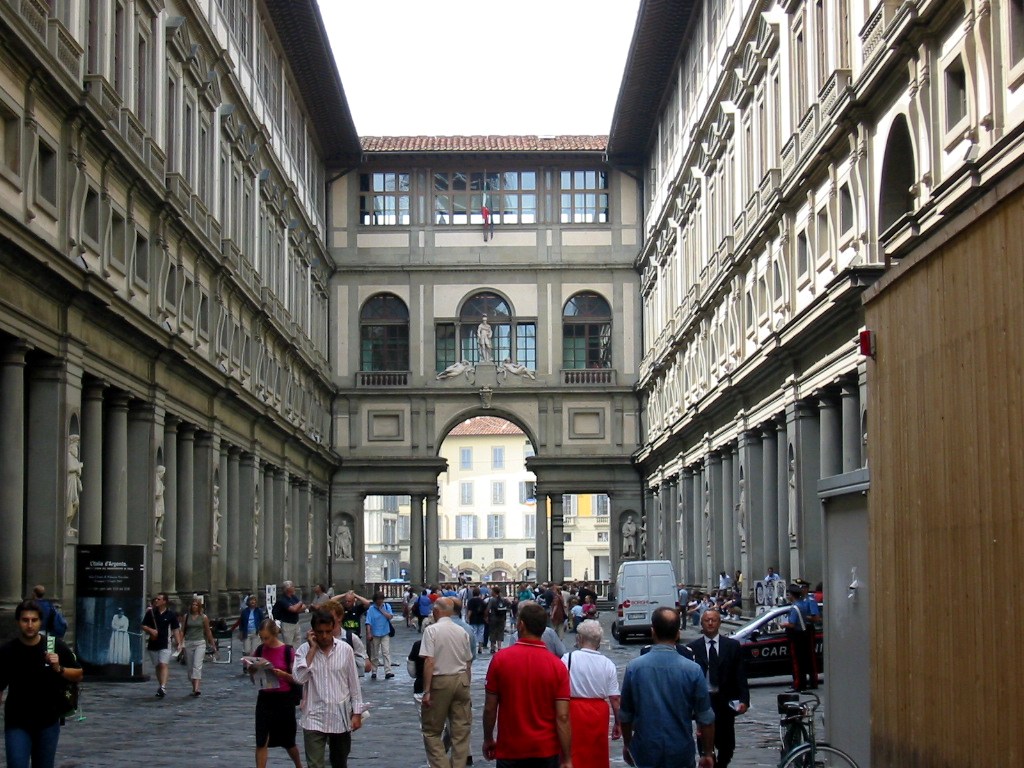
(722,661)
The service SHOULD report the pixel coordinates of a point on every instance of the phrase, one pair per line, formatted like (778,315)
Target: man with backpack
(53,620)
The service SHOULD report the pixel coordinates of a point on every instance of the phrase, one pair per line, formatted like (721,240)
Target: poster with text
(110,601)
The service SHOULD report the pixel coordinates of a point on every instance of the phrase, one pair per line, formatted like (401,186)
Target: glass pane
(566,180)
(528,180)
(441,209)
(364,182)
(511,180)
(492,182)
(403,182)
(579,180)
(476,181)
(459,182)
(441,182)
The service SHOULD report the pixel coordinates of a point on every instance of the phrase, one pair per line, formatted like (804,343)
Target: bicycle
(800,747)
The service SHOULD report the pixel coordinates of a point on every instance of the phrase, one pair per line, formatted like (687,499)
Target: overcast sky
(447,67)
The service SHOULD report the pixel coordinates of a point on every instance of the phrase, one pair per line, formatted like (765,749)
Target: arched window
(898,174)
(586,332)
(511,337)
(384,334)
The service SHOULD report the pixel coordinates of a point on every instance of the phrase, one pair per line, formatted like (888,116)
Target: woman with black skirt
(275,707)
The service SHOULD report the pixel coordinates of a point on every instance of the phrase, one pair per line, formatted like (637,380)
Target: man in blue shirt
(802,635)
(661,694)
(378,635)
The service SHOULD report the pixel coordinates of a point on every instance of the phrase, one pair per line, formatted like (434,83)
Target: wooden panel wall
(946,452)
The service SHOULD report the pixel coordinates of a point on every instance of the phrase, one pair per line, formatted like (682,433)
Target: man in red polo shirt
(528,696)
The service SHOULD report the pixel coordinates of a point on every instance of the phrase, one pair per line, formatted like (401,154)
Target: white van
(640,587)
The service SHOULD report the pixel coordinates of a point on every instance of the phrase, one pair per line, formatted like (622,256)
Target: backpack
(55,623)
(71,692)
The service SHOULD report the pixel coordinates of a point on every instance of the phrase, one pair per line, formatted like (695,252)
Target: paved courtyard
(125,724)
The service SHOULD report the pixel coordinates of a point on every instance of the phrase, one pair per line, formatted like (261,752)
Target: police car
(765,647)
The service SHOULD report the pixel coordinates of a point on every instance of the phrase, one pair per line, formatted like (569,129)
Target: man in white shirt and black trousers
(721,658)
(333,703)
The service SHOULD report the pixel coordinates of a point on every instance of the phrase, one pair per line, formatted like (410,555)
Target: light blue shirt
(662,694)
(472,637)
(379,621)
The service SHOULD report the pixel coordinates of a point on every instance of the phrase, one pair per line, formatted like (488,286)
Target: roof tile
(486,425)
(484,143)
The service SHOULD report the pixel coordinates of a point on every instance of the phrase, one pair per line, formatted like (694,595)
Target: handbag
(391,629)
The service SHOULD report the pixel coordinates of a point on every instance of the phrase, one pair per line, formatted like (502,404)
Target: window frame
(591,324)
(393,350)
(396,210)
(575,188)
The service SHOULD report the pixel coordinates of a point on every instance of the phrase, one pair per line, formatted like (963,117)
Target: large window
(496,526)
(530,526)
(586,332)
(465,458)
(602,505)
(497,492)
(465,527)
(457,341)
(465,494)
(384,199)
(384,334)
(584,197)
(497,457)
(510,196)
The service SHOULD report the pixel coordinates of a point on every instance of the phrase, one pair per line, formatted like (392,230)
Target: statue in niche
(516,369)
(287,535)
(309,534)
(794,524)
(642,549)
(741,516)
(343,541)
(629,537)
(216,518)
(483,339)
(74,484)
(158,504)
(256,521)
(456,369)
(706,521)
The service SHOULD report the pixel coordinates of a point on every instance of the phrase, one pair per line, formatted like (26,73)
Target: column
(831,446)
(717,559)
(222,552)
(805,436)
(727,563)
(769,501)
(141,471)
(557,539)
(206,455)
(12,471)
(90,513)
(296,523)
(236,557)
(416,574)
(186,507)
(115,470)
(672,523)
(306,535)
(246,522)
(432,540)
(169,534)
(686,550)
(650,523)
(321,535)
(699,544)
(542,553)
(782,474)
(46,480)
(851,426)
(268,566)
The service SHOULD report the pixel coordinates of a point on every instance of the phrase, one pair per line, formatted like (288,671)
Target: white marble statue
(456,369)
(256,522)
(629,537)
(309,534)
(74,484)
(158,504)
(741,516)
(483,339)
(794,523)
(216,518)
(516,369)
(287,535)
(343,541)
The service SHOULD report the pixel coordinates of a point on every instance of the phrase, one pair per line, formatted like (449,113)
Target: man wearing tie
(723,664)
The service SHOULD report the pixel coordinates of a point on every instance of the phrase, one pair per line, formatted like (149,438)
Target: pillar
(851,426)
(805,437)
(115,470)
(686,550)
(307,534)
(432,542)
(186,507)
(831,436)
(782,482)
(716,482)
(698,544)
(727,563)
(416,573)
(543,553)
(268,566)
(169,535)
(202,510)
(749,509)
(672,523)
(222,552)
(90,513)
(12,471)
(236,558)
(248,478)
(141,471)
(651,523)
(769,501)
(557,539)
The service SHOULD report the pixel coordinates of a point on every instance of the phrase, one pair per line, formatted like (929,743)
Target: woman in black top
(36,676)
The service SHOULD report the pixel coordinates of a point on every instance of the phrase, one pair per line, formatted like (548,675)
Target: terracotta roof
(486,425)
(658,38)
(300,27)
(484,143)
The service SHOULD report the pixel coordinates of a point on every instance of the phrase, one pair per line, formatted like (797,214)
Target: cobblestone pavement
(125,724)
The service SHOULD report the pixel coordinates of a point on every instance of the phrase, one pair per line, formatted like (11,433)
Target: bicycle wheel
(817,756)
(793,735)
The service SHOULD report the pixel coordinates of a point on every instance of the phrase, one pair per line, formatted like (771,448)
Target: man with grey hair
(286,611)
(447,661)
(593,685)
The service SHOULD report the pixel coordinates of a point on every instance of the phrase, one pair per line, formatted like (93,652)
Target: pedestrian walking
(528,699)
(594,688)
(497,615)
(198,637)
(158,624)
(378,635)
(662,694)
(34,672)
(249,623)
(275,706)
(800,633)
(476,609)
(447,660)
(424,605)
(287,610)
(333,707)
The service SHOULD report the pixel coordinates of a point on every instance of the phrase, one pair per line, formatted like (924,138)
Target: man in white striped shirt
(333,703)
